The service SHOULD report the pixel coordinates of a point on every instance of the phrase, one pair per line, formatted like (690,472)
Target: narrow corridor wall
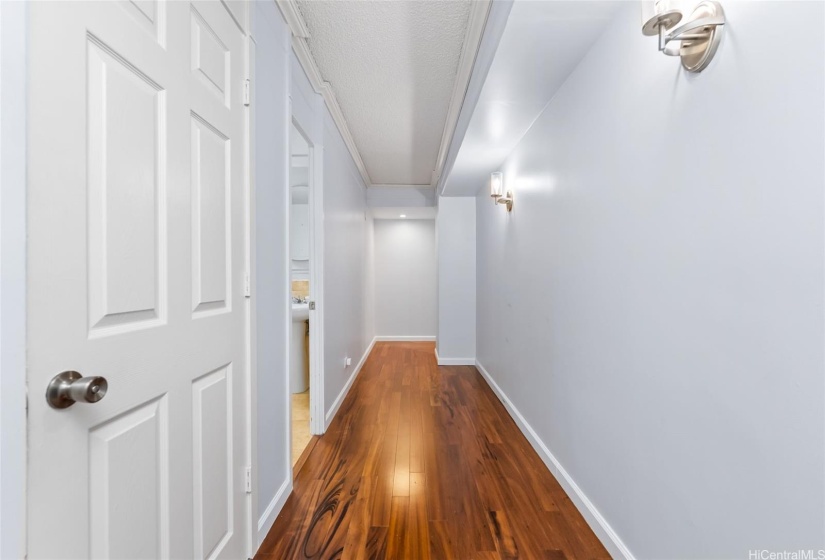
(405,278)
(345,225)
(345,263)
(456,225)
(283,92)
(653,306)
(270,157)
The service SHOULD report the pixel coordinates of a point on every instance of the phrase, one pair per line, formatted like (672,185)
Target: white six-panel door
(136,272)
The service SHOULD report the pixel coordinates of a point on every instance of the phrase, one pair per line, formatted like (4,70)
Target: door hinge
(246,93)
(247,288)
(312,306)
(248,480)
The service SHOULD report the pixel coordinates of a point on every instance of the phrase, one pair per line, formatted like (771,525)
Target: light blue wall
(456,225)
(345,243)
(405,278)
(653,306)
(343,192)
(283,92)
(271,132)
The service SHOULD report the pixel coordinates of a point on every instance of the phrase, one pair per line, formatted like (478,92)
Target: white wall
(273,470)
(369,279)
(345,242)
(13,21)
(283,93)
(400,197)
(456,224)
(653,306)
(405,278)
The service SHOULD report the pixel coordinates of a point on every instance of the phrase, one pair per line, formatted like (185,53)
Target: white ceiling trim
(488,43)
(472,39)
(296,24)
(293,18)
(479,11)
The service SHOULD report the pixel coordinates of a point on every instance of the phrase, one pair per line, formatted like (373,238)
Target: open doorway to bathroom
(300,259)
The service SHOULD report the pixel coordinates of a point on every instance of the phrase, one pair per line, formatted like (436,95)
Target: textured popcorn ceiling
(392,66)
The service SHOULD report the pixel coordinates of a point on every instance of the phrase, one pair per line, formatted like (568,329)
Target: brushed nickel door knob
(69,387)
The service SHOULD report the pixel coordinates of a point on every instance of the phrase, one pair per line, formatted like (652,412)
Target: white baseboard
(594,518)
(333,410)
(386,338)
(273,509)
(453,361)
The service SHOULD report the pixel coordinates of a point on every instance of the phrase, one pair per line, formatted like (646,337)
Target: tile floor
(300,424)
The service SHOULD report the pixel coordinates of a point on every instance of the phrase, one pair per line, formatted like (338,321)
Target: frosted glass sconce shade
(496,184)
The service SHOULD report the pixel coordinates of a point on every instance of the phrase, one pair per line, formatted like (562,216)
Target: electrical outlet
(348,361)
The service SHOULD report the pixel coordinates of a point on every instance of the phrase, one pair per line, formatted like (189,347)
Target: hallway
(411,279)
(424,462)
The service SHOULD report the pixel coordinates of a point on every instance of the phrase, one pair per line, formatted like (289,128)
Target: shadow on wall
(658,308)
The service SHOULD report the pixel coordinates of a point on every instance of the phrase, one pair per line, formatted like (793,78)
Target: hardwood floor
(423,462)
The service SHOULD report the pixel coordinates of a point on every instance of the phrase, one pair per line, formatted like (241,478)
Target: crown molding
(293,18)
(301,48)
(493,30)
(479,10)
(300,32)
(343,128)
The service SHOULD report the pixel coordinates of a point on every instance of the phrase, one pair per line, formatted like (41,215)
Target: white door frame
(317,420)
(251,358)
(317,417)
(13,108)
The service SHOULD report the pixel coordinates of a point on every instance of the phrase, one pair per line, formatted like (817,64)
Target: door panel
(211,204)
(213,468)
(139,438)
(125,131)
(135,270)
(150,15)
(210,58)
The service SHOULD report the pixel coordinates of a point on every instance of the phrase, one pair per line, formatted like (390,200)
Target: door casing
(13,108)
(317,419)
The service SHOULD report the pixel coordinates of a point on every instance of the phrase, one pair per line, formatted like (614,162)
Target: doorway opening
(301,289)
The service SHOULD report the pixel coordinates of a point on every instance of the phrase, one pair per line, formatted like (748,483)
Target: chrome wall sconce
(497,187)
(695,41)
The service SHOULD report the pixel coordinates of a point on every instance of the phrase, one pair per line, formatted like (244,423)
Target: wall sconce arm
(506,200)
(696,41)
(683,32)
(497,187)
